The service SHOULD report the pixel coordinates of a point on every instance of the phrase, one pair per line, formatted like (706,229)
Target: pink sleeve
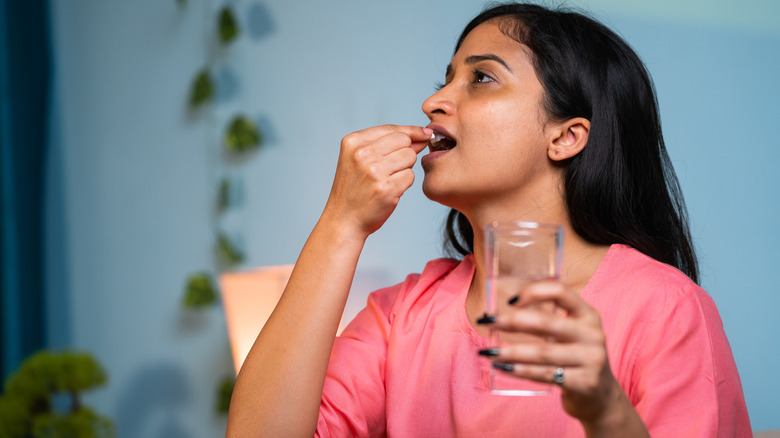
(353,397)
(685,380)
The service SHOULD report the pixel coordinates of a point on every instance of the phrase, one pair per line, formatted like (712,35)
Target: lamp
(248,298)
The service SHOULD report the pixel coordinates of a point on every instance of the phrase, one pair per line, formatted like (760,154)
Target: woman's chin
(437,193)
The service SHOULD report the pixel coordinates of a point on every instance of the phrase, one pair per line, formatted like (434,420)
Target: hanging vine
(240,135)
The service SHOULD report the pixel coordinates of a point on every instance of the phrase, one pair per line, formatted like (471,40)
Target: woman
(545,116)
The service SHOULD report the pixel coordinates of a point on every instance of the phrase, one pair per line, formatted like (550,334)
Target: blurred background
(112,170)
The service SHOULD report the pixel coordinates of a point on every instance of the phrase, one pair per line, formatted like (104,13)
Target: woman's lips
(432,156)
(440,143)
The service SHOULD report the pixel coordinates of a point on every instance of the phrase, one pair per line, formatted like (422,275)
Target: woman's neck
(580,258)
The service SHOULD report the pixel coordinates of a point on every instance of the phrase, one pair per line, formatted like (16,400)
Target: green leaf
(202,89)
(199,291)
(242,135)
(223,195)
(224,393)
(227,251)
(228,26)
(81,372)
(34,379)
(15,418)
(27,406)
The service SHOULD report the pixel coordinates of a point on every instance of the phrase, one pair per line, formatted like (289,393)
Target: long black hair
(621,188)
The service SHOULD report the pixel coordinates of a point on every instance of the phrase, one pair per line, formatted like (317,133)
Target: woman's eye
(481,78)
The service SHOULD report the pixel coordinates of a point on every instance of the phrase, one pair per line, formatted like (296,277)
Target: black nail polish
(487,319)
(513,300)
(489,352)
(503,366)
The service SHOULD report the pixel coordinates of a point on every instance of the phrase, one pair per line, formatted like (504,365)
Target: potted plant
(42,398)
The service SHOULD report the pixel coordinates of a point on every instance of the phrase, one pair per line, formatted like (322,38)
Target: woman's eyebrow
(473,59)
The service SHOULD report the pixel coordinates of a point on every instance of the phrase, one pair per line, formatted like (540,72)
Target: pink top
(407,365)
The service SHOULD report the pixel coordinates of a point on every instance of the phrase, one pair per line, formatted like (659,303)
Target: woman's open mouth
(440,142)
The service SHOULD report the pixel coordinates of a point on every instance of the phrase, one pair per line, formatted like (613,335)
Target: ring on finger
(558,377)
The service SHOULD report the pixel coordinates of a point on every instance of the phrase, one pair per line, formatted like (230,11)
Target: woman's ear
(569,139)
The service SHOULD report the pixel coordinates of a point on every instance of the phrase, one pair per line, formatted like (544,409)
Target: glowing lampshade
(248,298)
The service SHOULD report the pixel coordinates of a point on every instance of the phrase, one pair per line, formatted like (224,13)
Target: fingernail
(503,366)
(489,352)
(428,131)
(487,319)
(513,300)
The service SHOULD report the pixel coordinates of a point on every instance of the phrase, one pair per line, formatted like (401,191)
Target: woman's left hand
(590,392)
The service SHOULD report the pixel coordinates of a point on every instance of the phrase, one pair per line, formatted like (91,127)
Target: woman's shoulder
(647,304)
(418,287)
(627,277)
(437,268)
(625,264)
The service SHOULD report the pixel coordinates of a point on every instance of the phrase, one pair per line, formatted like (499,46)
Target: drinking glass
(518,253)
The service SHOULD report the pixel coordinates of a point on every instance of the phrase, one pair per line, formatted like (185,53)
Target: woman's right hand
(374,170)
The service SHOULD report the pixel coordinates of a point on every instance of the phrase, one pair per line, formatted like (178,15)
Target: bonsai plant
(42,398)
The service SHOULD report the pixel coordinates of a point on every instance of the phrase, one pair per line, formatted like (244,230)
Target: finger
(557,293)
(377,150)
(415,133)
(538,373)
(545,324)
(390,143)
(578,355)
(400,159)
(573,380)
(371,157)
(402,180)
(419,146)
(392,188)
(385,173)
(369,147)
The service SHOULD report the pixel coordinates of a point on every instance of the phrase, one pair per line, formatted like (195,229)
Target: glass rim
(511,225)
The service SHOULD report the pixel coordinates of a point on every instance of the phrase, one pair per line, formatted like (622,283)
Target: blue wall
(131,174)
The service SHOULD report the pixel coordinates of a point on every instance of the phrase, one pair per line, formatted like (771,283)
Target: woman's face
(491,107)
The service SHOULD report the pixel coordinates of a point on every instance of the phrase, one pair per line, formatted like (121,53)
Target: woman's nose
(439,102)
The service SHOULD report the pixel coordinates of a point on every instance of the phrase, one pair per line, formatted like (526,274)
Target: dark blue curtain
(24,101)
